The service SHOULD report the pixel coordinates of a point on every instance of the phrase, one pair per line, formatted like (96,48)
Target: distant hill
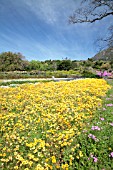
(106,55)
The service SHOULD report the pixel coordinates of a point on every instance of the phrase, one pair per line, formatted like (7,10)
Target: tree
(34,65)
(64,65)
(52,65)
(12,61)
(105,66)
(75,65)
(97,64)
(92,11)
(111,63)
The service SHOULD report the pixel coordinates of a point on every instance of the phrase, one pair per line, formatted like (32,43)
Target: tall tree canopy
(92,11)
(12,61)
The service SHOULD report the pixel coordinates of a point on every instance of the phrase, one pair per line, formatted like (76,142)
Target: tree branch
(92,11)
(78,20)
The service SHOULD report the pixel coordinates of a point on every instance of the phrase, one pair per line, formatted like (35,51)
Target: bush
(88,74)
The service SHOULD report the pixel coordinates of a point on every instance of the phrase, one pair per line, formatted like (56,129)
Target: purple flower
(110,104)
(111,124)
(111,154)
(95,128)
(102,118)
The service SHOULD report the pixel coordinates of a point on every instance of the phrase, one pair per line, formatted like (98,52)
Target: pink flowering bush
(103,73)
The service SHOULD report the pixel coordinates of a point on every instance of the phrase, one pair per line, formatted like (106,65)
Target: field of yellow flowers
(40,123)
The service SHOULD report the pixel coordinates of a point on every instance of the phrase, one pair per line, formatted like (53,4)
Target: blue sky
(39,29)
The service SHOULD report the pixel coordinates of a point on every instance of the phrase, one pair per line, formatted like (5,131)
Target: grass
(14,83)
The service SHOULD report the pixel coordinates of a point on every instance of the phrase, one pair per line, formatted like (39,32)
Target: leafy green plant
(88,74)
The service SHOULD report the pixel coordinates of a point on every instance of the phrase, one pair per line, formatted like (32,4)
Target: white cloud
(51,11)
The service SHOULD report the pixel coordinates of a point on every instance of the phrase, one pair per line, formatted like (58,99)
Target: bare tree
(92,11)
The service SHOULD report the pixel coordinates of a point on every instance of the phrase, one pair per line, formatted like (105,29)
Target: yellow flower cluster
(40,122)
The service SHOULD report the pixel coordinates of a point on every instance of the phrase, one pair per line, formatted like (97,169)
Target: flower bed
(40,123)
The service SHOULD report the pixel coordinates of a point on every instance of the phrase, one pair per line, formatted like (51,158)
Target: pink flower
(110,104)
(102,118)
(93,137)
(109,74)
(99,73)
(111,124)
(105,73)
(95,128)
(104,108)
(108,98)
(111,154)
(95,159)
(91,155)
(84,131)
